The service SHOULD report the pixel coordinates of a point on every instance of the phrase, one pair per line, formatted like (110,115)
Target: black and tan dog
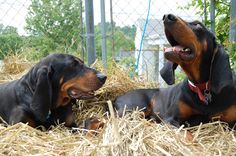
(45,94)
(209,89)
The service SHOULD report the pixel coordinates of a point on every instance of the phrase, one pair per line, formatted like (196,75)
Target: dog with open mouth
(44,96)
(209,91)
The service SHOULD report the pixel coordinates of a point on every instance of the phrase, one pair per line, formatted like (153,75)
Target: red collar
(203,89)
(199,88)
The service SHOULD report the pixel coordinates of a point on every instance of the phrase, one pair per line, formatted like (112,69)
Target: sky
(128,11)
(13,13)
(125,12)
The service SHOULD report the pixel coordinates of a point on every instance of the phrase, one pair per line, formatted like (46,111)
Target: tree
(222,22)
(222,16)
(7,30)
(129,31)
(57,20)
(10,40)
(123,38)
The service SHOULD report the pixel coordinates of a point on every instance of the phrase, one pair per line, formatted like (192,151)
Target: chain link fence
(13,13)
(41,27)
(149,38)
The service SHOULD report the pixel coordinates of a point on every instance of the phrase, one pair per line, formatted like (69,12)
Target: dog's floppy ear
(221,72)
(168,72)
(42,97)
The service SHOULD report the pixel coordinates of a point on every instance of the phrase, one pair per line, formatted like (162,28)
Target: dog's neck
(216,71)
(202,85)
(201,72)
(195,75)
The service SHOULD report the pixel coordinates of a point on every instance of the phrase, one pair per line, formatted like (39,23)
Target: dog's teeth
(91,92)
(187,49)
(174,48)
(73,92)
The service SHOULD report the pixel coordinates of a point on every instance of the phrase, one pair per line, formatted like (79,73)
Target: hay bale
(129,135)
(14,66)
(119,81)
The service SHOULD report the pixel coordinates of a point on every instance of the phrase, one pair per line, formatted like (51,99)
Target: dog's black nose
(102,78)
(169,18)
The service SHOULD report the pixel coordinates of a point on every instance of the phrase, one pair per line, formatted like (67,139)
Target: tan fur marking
(69,120)
(85,83)
(30,122)
(229,115)
(185,110)
(61,81)
(149,110)
(186,37)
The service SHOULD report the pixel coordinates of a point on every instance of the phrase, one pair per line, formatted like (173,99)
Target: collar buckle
(208,96)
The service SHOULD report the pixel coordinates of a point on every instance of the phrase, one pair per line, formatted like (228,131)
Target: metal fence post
(233,21)
(81,30)
(103,33)
(112,31)
(205,12)
(156,63)
(212,16)
(90,31)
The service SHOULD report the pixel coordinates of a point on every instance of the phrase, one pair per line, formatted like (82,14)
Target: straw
(128,135)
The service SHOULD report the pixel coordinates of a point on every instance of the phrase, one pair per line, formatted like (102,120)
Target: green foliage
(36,47)
(10,41)
(7,30)
(40,46)
(53,25)
(180,76)
(222,16)
(222,23)
(232,49)
(128,63)
(129,31)
(123,42)
(123,38)
(55,20)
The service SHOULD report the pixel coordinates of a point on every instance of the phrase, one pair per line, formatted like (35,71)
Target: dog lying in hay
(44,96)
(209,90)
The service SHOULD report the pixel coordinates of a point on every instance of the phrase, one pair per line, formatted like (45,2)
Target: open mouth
(78,94)
(179,50)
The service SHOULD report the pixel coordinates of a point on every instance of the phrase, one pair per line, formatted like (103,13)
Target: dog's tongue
(177,48)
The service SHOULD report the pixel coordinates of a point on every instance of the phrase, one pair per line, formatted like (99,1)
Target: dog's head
(60,78)
(192,46)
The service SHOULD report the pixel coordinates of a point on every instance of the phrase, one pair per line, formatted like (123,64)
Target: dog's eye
(197,25)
